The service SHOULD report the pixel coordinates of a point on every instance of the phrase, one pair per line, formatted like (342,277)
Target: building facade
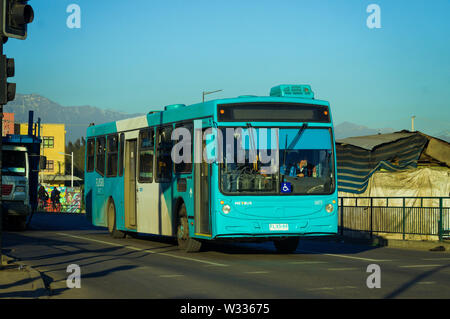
(8,124)
(53,147)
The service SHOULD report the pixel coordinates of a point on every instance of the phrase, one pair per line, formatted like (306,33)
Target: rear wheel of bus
(112,226)
(286,245)
(185,242)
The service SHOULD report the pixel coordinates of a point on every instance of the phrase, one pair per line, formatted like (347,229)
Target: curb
(39,291)
(443,247)
(38,283)
(419,245)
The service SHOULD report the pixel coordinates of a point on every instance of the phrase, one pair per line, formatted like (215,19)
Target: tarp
(419,182)
(358,158)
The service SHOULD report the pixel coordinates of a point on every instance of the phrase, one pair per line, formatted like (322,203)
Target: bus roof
(180,112)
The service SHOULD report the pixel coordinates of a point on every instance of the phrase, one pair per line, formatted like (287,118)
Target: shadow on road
(413,282)
(51,256)
(306,246)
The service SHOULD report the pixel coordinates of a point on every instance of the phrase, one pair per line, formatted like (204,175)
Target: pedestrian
(55,198)
(43,197)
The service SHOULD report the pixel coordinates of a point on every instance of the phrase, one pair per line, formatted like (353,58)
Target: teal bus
(257,168)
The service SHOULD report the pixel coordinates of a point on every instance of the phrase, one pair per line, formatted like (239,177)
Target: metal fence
(399,215)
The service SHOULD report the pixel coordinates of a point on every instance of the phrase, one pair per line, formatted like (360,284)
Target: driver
(302,169)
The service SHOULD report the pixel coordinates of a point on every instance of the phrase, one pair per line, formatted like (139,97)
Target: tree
(78,157)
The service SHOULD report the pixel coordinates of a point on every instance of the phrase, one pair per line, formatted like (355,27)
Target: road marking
(324,288)
(426,283)
(170,276)
(144,250)
(431,259)
(419,266)
(332,288)
(342,269)
(307,262)
(256,272)
(345,256)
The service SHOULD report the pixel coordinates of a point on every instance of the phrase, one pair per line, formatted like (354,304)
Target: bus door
(147,190)
(99,197)
(202,182)
(164,179)
(130,158)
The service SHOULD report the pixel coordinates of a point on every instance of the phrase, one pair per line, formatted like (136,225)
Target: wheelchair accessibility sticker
(286,187)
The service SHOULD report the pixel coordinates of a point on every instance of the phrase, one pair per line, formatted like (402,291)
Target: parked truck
(21,161)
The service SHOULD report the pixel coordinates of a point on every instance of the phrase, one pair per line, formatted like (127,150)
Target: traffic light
(15,15)
(7,90)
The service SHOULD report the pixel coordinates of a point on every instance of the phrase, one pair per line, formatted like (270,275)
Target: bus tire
(185,242)
(286,245)
(21,223)
(112,227)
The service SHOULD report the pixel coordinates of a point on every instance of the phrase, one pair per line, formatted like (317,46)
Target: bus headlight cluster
(329,208)
(226,209)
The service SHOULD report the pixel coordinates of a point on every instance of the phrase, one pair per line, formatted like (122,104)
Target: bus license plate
(277,227)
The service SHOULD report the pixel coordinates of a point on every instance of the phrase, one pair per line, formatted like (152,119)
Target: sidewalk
(376,241)
(19,281)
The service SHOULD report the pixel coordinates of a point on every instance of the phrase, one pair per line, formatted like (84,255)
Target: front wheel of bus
(286,245)
(185,242)
(112,227)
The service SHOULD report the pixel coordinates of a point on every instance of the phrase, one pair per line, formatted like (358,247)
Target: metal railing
(400,215)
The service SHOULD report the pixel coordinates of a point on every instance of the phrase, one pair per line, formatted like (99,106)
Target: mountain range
(348,129)
(78,118)
(75,118)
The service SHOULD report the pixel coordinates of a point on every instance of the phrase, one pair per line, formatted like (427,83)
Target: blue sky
(138,55)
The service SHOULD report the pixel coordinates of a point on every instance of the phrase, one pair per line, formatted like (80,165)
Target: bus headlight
(329,208)
(226,209)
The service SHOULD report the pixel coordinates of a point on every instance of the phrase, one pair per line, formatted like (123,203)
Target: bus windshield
(277,161)
(13,163)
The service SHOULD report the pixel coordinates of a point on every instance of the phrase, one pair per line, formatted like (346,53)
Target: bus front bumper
(15,208)
(253,228)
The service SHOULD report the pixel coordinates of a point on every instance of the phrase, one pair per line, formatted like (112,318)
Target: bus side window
(185,167)
(146,143)
(121,153)
(163,154)
(90,154)
(100,155)
(111,155)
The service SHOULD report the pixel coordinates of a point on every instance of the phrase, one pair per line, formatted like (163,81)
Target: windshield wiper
(291,146)
(297,136)
(252,144)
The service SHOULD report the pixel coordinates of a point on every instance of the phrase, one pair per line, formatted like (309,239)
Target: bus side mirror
(42,162)
(210,154)
(211,147)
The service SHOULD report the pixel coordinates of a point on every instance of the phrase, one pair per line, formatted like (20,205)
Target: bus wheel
(112,227)
(22,223)
(286,245)
(185,242)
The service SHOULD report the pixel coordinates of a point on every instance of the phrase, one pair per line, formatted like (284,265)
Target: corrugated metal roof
(359,157)
(369,142)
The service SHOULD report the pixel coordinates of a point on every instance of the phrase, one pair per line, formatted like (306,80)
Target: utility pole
(14,17)
(412,123)
(71,168)
(206,93)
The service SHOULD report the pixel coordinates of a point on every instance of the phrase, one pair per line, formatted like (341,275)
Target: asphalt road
(153,267)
